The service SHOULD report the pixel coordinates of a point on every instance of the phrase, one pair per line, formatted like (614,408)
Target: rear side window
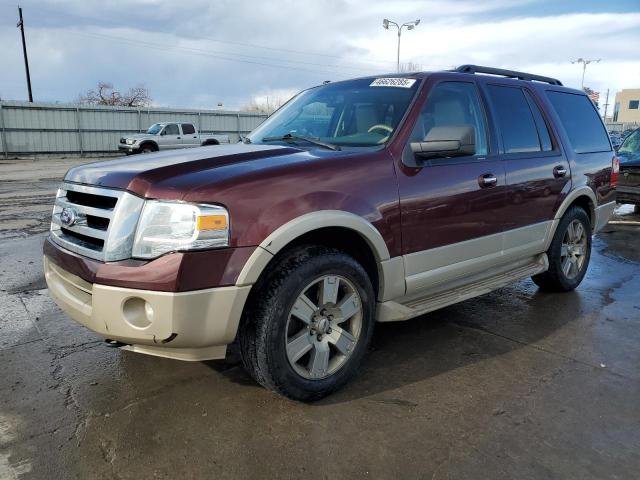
(581,122)
(518,128)
(187,128)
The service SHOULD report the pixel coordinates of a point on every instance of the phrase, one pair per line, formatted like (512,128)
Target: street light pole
(410,26)
(584,63)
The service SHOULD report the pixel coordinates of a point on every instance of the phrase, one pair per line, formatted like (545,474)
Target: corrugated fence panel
(40,128)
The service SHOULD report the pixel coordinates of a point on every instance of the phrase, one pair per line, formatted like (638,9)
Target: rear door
(170,137)
(537,172)
(452,208)
(189,135)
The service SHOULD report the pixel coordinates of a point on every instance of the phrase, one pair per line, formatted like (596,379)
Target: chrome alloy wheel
(323,327)
(574,249)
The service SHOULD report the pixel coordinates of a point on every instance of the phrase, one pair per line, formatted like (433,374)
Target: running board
(393,311)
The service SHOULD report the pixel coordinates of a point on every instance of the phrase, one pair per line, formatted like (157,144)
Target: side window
(171,129)
(188,129)
(541,125)
(453,104)
(581,121)
(515,120)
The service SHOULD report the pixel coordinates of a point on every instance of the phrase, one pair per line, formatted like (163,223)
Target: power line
(206,53)
(370,62)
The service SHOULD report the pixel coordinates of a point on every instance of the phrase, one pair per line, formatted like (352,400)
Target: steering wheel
(381,126)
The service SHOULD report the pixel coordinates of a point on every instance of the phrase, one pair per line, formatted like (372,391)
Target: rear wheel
(309,323)
(569,253)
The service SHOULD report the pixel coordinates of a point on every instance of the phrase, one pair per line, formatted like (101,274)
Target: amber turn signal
(211,222)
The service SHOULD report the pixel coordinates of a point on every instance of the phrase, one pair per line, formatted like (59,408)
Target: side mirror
(442,142)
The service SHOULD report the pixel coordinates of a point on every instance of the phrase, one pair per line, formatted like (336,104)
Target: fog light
(137,312)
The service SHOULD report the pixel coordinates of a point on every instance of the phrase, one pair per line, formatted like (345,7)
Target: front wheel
(569,253)
(308,324)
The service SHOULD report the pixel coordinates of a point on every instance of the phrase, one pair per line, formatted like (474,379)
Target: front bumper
(128,148)
(195,325)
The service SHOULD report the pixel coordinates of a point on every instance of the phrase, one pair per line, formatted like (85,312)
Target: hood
(629,159)
(172,174)
(139,135)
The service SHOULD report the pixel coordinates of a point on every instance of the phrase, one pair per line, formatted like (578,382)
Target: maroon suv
(375,199)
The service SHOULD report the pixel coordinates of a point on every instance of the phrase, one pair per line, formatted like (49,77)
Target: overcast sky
(195,53)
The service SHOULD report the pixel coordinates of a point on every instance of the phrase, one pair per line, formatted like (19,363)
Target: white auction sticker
(393,82)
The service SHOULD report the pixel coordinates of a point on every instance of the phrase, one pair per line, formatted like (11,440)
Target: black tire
(147,148)
(555,279)
(263,330)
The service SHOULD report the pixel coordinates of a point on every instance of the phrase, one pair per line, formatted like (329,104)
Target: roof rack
(506,73)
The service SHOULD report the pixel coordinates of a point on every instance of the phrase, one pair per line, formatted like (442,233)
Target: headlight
(130,141)
(175,226)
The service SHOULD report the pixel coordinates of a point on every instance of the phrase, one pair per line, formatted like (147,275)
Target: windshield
(154,129)
(356,113)
(631,144)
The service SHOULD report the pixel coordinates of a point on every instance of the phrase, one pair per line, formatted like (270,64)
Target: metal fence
(622,126)
(64,129)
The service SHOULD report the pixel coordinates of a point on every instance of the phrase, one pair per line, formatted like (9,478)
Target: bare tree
(409,67)
(105,94)
(265,104)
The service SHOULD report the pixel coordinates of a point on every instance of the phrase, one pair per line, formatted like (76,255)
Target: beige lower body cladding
(195,325)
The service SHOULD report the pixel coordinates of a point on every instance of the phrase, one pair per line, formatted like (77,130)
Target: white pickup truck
(167,136)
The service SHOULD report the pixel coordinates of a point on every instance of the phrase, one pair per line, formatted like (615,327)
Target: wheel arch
(151,143)
(582,197)
(210,141)
(343,230)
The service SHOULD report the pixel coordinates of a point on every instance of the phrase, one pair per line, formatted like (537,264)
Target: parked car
(629,181)
(167,136)
(374,199)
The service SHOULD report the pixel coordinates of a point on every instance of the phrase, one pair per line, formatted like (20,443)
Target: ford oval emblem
(68,216)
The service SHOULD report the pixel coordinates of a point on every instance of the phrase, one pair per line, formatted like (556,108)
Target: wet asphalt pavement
(513,384)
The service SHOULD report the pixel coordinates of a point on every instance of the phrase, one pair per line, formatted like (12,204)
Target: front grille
(102,222)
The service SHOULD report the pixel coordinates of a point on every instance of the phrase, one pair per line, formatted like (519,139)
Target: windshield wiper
(293,136)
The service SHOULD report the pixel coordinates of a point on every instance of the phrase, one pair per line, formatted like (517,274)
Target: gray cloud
(198,53)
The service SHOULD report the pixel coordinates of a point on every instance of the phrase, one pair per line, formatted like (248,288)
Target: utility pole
(584,63)
(606,106)
(20,25)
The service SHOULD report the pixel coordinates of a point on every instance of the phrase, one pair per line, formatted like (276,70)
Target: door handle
(559,171)
(178,138)
(488,180)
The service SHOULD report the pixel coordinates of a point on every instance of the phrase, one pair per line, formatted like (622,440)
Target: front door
(170,137)
(452,208)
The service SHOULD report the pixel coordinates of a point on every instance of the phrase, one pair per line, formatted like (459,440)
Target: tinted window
(581,122)
(187,128)
(518,129)
(541,125)
(171,129)
(453,104)
(633,104)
